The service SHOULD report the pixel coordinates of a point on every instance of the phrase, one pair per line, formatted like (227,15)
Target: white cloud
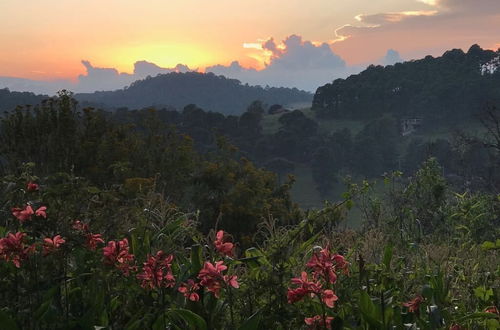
(391,57)
(110,79)
(292,63)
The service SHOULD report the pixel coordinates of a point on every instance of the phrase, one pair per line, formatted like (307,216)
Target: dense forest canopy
(442,89)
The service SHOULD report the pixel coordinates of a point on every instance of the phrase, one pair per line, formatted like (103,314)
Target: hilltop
(10,100)
(206,90)
(444,89)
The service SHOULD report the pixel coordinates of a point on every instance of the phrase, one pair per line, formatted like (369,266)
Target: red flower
(305,287)
(311,286)
(232,280)
(211,277)
(92,240)
(456,327)
(189,290)
(31,186)
(329,298)
(40,212)
(224,248)
(117,254)
(13,249)
(318,322)
(414,304)
(157,272)
(294,295)
(340,263)
(325,264)
(52,244)
(23,214)
(26,213)
(492,309)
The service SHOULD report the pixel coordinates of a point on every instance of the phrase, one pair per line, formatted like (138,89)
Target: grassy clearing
(270,123)
(305,194)
(304,190)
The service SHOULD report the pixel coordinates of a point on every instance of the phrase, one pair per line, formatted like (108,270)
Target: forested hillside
(9,100)
(440,90)
(211,92)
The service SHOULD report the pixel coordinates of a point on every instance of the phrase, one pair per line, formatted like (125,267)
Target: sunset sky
(47,39)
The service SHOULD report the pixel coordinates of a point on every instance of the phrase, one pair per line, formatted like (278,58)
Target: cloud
(469,6)
(110,79)
(292,63)
(391,57)
(94,79)
(444,25)
(375,20)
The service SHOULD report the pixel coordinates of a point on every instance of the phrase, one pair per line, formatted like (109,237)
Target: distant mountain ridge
(206,90)
(10,100)
(451,87)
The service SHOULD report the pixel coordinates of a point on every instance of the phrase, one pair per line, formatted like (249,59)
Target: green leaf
(306,245)
(251,262)
(482,293)
(196,258)
(41,311)
(114,303)
(492,324)
(194,321)
(253,252)
(388,251)
(93,190)
(252,323)
(488,245)
(6,322)
(478,315)
(369,310)
(135,243)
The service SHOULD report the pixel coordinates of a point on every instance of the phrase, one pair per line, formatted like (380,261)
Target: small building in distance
(410,125)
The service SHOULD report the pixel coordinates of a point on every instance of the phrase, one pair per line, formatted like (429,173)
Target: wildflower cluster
(211,277)
(27,212)
(323,266)
(117,254)
(157,271)
(13,248)
(51,245)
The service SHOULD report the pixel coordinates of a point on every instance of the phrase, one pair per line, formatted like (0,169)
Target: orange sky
(47,39)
